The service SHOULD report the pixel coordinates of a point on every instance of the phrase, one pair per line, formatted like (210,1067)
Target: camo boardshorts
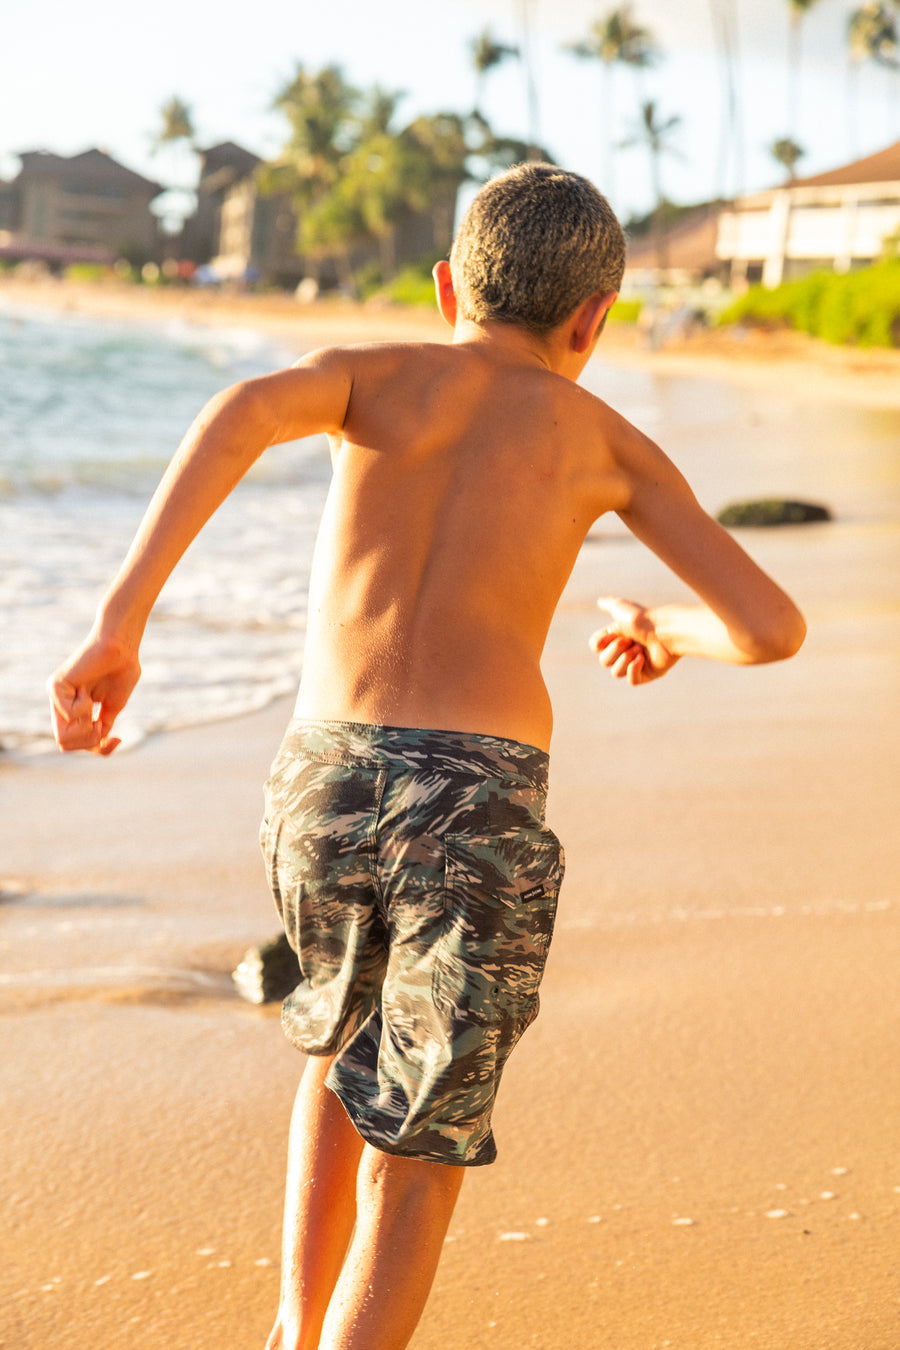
(417,883)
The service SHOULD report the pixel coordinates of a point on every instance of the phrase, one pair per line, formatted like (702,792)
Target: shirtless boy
(404,827)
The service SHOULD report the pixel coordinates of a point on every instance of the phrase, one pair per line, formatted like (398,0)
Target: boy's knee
(411,1178)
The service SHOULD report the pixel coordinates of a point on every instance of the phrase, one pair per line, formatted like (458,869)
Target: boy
(404,829)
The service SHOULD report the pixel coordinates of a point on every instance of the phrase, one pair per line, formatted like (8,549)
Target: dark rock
(268,973)
(772,511)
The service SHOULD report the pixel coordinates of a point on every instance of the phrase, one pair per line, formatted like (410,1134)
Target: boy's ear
(444,292)
(589,318)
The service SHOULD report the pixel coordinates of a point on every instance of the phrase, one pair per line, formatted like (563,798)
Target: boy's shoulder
(428,359)
(450,378)
(387,354)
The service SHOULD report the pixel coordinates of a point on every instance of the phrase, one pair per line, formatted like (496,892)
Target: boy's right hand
(630,647)
(99,676)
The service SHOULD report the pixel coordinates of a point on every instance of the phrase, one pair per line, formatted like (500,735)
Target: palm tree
(487,54)
(371,187)
(176,136)
(871,36)
(321,109)
(353,177)
(378,110)
(437,142)
(177,123)
(725,28)
(655,135)
(797,9)
(786,152)
(531,93)
(615,40)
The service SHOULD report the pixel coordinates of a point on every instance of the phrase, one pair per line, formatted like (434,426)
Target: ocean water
(91,411)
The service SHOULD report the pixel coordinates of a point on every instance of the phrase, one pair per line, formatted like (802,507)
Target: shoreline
(789,361)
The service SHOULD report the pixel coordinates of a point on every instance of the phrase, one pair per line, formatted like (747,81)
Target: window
(75,187)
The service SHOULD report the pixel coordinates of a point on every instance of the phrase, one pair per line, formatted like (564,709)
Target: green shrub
(86,272)
(859,308)
(412,287)
(836,316)
(123,270)
(368,279)
(626,311)
(806,298)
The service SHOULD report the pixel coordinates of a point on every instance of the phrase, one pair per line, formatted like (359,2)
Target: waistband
(420,750)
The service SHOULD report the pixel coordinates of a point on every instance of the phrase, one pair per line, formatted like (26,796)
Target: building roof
(229,155)
(93,167)
(882,167)
(224,165)
(690,243)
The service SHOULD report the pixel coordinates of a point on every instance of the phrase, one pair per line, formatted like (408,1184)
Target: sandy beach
(698,1139)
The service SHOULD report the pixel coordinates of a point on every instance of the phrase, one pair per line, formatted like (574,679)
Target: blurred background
(335,144)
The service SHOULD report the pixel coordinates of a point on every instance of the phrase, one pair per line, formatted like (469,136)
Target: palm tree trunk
(387,248)
(852,118)
(609,154)
(345,271)
(731,155)
(531,94)
(795,49)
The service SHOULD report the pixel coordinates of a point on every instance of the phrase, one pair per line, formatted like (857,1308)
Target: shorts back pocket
(500,897)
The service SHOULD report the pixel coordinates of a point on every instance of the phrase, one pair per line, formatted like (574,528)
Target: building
(681,253)
(85,207)
(221,167)
(838,219)
(257,231)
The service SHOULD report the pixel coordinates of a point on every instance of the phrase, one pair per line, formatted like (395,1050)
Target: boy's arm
(227,437)
(744,617)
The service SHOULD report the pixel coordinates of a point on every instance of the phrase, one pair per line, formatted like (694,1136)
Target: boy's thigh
(468,944)
(318,842)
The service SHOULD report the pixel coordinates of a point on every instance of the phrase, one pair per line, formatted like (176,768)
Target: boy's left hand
(629,646)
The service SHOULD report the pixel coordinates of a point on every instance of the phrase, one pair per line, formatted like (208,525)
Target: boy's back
(464,483)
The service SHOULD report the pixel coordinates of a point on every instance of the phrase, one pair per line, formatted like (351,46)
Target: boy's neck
(520,346)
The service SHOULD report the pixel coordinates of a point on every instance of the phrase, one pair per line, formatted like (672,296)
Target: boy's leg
(401,1207)
(319,1208)
(404,1206)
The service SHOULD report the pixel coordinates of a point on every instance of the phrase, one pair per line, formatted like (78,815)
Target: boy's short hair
(535,243)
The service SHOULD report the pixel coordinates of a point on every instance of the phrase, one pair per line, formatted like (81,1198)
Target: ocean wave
(86,400)
(90,413)
(293,464)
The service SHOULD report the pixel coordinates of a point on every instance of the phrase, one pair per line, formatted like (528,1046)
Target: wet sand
(698,1138)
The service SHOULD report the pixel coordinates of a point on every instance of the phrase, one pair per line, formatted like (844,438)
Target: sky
(73,77)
